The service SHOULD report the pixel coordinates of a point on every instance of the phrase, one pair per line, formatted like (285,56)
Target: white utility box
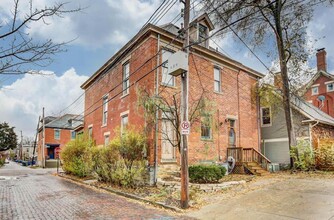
(177,63)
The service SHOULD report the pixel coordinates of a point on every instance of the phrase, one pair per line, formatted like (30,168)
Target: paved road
(278,197)
(35,194)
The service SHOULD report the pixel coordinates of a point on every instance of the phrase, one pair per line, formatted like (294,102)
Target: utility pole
(21,151)
(33,152)
(43,142)
(184,115)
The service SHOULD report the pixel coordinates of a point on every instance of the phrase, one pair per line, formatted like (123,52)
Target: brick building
(320,90)
(58,132)
(112,95)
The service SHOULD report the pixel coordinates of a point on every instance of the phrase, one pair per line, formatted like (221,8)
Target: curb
(127,195)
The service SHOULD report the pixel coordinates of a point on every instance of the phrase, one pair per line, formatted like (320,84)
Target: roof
(68,121)
(204,17)
(314,78)
(170,31)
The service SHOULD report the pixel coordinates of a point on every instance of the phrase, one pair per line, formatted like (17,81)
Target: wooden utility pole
(33,152)
(43,142)
(184,115)
(21,151)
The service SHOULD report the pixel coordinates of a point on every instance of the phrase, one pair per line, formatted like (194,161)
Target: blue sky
(100,30)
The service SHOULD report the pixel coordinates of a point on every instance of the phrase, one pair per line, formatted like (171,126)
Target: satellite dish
(321,98)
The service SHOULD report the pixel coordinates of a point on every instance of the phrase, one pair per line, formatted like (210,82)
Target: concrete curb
(127,195)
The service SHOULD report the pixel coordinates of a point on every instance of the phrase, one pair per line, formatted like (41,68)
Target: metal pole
(184,116)
(43,142)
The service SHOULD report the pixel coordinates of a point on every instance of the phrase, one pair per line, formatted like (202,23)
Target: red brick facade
(235,100)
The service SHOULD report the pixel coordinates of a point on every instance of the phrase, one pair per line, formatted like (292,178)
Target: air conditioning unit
(178,63)
(273,167)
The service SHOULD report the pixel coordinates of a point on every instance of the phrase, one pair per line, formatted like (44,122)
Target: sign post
(185,127)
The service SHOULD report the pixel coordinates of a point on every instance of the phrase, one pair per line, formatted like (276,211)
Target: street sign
(57,151)
(185,127)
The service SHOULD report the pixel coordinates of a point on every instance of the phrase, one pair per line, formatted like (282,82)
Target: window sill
(104,126)
(207,139)
(218,93)
(315,94)
(168,86)
(264,126)
(125,95)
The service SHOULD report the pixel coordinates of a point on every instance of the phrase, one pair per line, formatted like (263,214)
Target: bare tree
(18,50)
(277,26)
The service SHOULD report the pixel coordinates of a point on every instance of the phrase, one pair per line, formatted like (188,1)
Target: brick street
(36,194)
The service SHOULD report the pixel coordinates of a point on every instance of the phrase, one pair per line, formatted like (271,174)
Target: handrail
(246,155)
(264,157)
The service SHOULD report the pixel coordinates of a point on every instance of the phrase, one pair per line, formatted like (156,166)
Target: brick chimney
(321,60)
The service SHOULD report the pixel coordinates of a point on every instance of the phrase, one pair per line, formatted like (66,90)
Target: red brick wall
(235,99)
(329,101)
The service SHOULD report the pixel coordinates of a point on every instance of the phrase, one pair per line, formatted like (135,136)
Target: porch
(248,160)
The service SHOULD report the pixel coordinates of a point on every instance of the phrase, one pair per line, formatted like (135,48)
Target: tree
(8,138)
(19,50)
(262,22)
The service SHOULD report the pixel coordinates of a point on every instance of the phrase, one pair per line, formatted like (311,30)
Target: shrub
(76,157)
(122,162)
(324,154)
(303,157)
(2,161)
(206,173)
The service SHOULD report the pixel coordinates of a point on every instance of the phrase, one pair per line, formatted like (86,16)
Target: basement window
(266,117)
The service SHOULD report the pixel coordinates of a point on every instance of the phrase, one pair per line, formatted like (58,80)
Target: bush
(77,158)
(2,161)
(324,154)
(303,157)
(206,173)
(122,162)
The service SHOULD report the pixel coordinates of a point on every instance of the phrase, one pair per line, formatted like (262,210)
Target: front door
(167,138)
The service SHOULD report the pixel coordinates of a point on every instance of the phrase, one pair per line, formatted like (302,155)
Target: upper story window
(73,134)
(266,117)
(206,127)
(202,33)
(126,76)
(315,90)
(105,110)
(167,79)
(57,134)
(330,87)
(217,79)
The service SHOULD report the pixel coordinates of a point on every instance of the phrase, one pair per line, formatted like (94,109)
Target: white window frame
(75,134)
(56,138)
(106,134)
(210,128)
(261,114)
(122,122)
(313,87)
(126,77)
(166,79)
(90,131)
(327,86)
(218,81)
(104,110)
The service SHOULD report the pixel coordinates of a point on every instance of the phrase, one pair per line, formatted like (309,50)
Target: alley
(36,194)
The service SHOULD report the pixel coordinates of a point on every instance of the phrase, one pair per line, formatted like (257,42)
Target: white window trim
(126,91)
(54,133)
(123,116)
(261,116)
(124,113)
(327,84)
(104,135)
(220,79)
(75,134)
(314,86)
(104,123)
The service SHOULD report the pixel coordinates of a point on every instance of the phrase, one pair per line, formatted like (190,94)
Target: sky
(97,32)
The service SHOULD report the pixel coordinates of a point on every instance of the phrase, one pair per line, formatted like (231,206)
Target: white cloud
(22,101)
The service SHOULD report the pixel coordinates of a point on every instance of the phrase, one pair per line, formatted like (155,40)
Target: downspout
(258,118)
(218,130)
(238,94)
(155,174)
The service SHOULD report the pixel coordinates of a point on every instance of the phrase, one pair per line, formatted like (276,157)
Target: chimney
(278,83)
(321,60)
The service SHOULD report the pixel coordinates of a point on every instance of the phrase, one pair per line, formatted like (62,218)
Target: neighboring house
(58,132)
(112,94)
(320,90)
(309,124)
(27,151)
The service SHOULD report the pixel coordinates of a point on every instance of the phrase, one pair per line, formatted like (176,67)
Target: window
(106,139)
(202,33)
(73,134)
(124,122)
(206,130)
(231,133)
(57,134)
(315,90)
(105,110)
(126,76)
(330,87)
(217,80)
(167,79)
(90,132)
(265,116)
